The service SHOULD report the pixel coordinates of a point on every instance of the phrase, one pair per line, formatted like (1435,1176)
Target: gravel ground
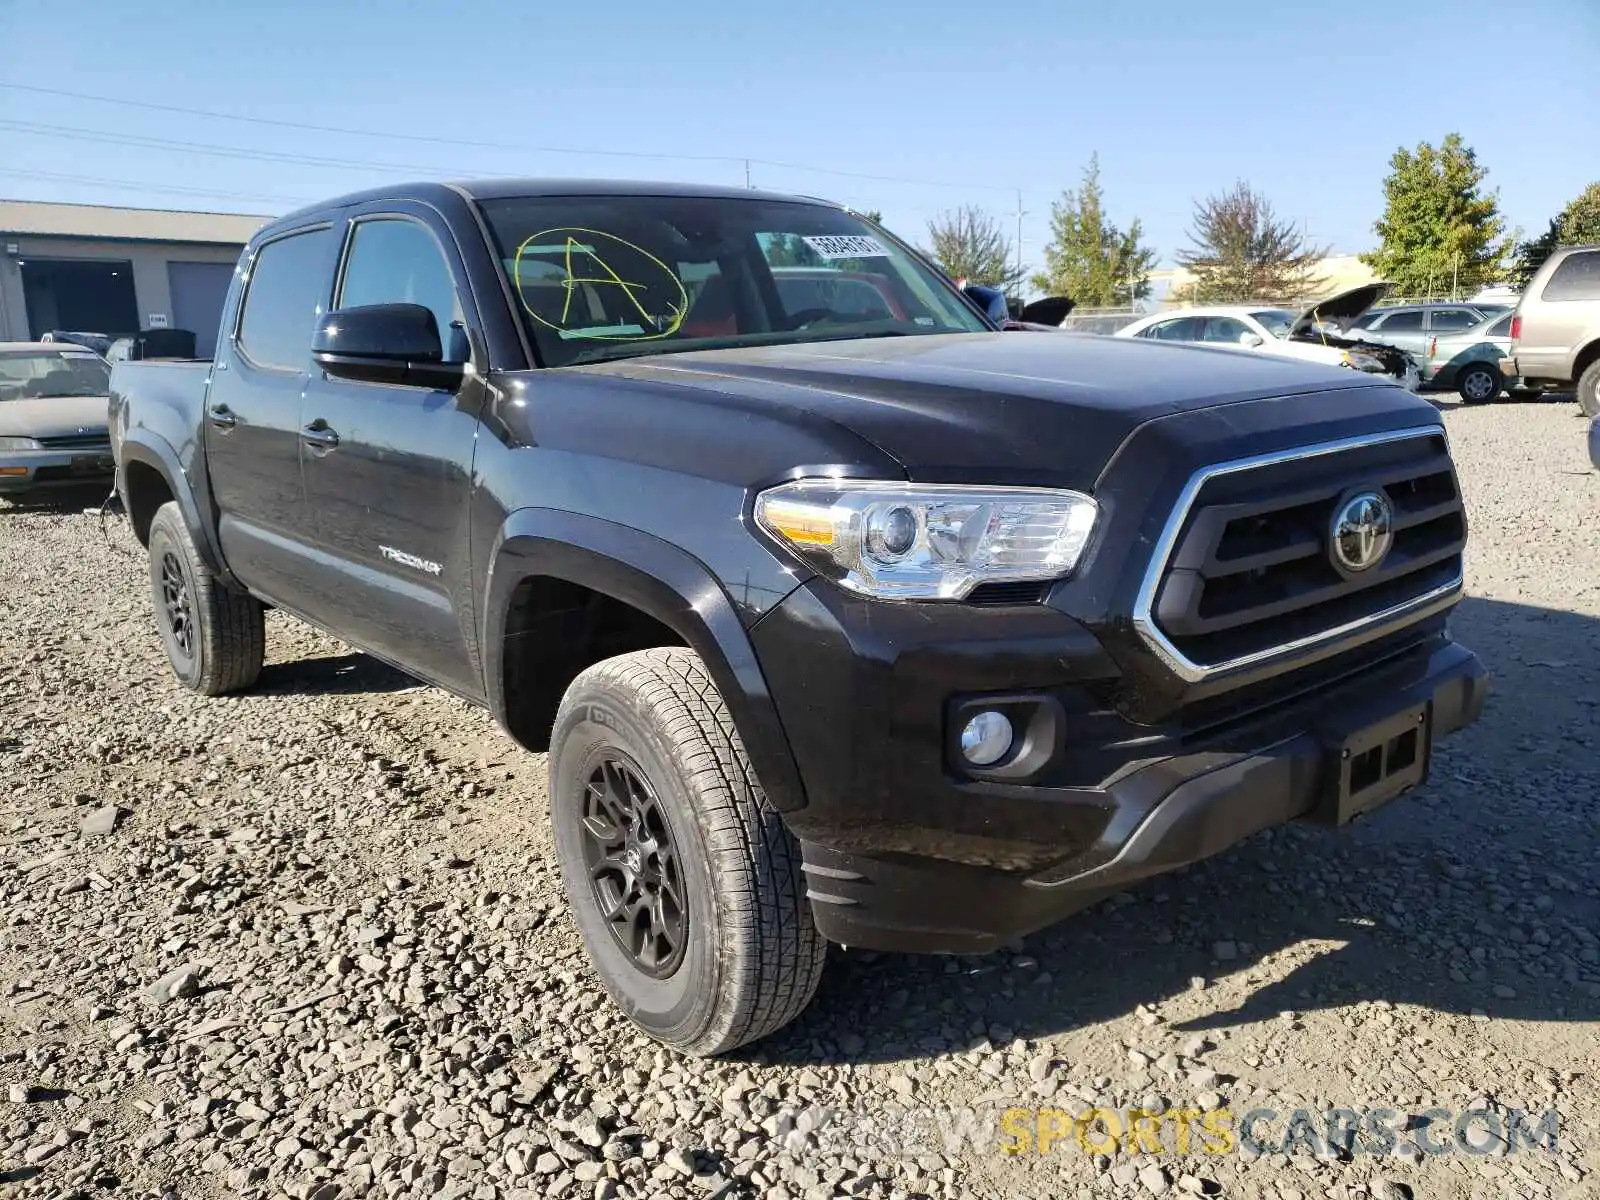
(311,942)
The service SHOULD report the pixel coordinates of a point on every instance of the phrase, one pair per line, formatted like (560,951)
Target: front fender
(660,579)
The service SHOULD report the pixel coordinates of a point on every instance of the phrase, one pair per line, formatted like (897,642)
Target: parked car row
(1320,334)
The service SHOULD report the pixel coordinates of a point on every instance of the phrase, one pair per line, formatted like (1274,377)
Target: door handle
(222,416)
(319,436)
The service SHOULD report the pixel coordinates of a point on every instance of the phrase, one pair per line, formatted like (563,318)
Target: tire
(1589,390)
(747,957)
(1479,383)
(215,636)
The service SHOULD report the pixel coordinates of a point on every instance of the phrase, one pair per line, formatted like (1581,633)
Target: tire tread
(230,623)
(777,955)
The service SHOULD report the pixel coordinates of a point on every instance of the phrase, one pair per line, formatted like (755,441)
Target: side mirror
(1250,340)
(991,300)
(385,343)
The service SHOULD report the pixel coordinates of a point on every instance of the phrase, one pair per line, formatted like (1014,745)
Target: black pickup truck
(866,622)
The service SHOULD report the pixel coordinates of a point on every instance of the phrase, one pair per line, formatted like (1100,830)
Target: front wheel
(1479,383)
(214,635)
(684,882)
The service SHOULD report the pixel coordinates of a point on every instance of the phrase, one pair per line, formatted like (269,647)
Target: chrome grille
(76,441)
(1244,573)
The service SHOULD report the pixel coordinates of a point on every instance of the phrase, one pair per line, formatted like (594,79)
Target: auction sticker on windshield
(846,245)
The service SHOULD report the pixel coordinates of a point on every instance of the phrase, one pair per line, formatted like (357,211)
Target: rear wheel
(683,880)
(1479,383)
(214,635)
(1589,390)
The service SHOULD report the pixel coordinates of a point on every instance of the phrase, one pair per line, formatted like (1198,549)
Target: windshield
(603,277)
(1275,321)
(33,376)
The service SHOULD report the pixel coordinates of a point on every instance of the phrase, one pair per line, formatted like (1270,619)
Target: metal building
(115,271)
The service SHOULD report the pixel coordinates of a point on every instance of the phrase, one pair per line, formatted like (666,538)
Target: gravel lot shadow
(332,675)
(54,501)
(1477,895)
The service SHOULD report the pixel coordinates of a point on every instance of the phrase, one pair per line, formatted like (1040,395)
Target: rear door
(1404,329)
(252,418)
(388,467)
(1442,322)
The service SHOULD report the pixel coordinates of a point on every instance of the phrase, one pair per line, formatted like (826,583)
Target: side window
(288,283)
(1501,328)
(1403,322)
(1577,278)
(1222,329)
(1453,320)
(1183,329)
(397,261)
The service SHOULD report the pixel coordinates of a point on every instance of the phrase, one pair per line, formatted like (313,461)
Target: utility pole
(747,172)
(1019,243)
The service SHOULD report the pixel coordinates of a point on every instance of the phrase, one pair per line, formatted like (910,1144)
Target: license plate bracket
(1368,766)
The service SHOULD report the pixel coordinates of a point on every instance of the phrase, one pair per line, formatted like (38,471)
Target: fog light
(986,738)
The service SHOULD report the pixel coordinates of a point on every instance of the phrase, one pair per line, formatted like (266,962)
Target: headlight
(1364,362)
(903,541)
(18,443)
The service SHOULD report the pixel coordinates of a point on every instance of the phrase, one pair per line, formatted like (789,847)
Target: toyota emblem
(1362,532)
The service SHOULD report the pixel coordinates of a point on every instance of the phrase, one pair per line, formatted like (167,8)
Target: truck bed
(171,391)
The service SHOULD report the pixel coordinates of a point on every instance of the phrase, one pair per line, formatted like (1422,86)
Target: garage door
(198,292)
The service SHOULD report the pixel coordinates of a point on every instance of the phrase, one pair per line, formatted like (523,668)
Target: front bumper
(28,470)
(905,851)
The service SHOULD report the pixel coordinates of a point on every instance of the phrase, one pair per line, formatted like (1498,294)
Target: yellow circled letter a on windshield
(612,279)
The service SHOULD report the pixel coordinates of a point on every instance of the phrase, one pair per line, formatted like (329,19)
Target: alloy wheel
(1478,385)
(634,868)
(177,604)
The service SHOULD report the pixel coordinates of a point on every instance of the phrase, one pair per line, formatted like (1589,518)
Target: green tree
(970,244)
(1438,225)
(1244,251)
(790,250)
(1088,258)
(1577,224)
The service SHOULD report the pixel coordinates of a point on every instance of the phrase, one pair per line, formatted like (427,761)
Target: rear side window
(1401,322)
(1501,328)
(1453,320)
(1577,278)
(287,288)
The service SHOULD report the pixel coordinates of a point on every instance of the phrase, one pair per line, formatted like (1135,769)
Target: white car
(1320,334)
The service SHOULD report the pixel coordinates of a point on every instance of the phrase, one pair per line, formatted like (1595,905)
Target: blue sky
(959,103)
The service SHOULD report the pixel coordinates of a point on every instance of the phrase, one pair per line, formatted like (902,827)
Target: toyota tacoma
(870,624)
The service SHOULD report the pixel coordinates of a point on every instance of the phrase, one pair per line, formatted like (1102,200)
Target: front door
(388,468)
(252,418)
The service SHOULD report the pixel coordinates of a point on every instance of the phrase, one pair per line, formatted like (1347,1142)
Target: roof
(505,189)
(43,348)
(38,219)
(499,189)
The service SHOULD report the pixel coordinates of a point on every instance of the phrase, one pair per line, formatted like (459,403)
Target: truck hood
(986,407)
(54,416)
